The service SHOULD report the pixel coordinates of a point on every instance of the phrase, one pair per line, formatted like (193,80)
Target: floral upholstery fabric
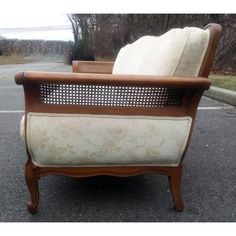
(83,140)
(179,52)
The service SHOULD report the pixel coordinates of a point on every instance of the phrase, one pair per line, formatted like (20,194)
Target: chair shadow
(110,188)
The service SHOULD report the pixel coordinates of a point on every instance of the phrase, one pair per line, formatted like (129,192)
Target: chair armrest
(33,77)
(98,67)
(82,93)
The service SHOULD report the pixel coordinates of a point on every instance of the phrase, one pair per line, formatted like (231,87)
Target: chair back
(179,52)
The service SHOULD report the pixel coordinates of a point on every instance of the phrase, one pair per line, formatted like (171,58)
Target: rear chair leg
(31,178)
(175,187)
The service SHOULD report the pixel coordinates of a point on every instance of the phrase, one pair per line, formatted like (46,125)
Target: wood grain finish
(31,178)
(215,33)
(35,77)
(97,67)
(175,186)
(122,171)
(99,73)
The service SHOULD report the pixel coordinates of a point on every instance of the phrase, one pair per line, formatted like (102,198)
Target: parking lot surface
(208,184)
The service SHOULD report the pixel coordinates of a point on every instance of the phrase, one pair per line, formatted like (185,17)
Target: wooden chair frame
(99,73)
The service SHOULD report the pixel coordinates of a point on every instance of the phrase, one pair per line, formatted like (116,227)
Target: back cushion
(179,52)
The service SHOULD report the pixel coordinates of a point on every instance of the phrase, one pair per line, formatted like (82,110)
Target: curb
(223,95)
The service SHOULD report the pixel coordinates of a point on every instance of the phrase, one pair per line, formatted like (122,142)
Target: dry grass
(14,59)
(224,81)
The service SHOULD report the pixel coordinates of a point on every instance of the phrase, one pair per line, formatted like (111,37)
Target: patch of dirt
(14,59)
(21,59)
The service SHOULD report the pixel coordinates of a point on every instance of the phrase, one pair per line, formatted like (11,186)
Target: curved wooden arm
(215,33)
(31,77)
(98,67)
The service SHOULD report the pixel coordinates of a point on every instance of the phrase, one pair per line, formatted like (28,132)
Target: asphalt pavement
(208,184)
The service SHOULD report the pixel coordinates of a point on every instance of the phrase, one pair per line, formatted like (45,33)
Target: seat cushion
(179,52)
(85,140)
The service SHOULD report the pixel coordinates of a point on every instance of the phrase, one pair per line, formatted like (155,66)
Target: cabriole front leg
(31,178)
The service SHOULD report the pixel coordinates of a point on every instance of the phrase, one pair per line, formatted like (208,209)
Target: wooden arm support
(189,89)
(31,77)
(98,67)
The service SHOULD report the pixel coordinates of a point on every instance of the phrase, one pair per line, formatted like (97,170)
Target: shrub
(82,52)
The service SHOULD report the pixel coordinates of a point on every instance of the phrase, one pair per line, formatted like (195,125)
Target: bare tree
(107,33)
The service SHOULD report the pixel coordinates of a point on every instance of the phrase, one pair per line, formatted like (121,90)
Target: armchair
(128,117)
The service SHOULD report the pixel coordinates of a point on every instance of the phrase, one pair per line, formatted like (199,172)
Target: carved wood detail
(31,178)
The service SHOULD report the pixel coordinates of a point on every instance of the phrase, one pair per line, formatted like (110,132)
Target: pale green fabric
(179,52)
(83,140)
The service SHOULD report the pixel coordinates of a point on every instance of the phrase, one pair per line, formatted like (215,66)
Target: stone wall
(29,47)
